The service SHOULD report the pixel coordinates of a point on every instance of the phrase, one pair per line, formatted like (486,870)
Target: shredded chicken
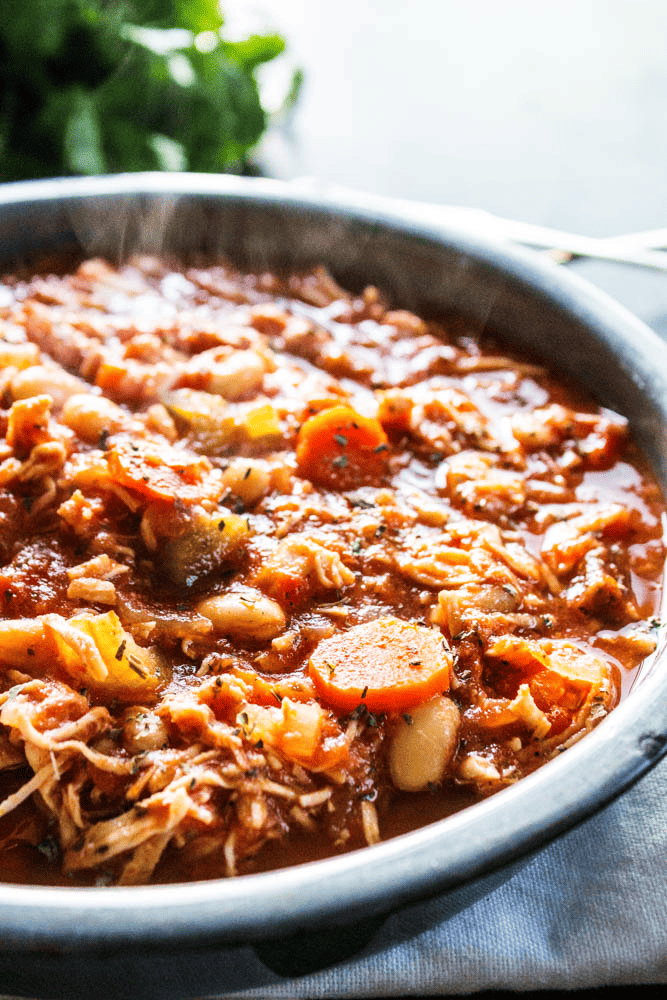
(208,650)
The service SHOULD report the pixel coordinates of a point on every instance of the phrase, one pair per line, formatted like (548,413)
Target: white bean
(247,478)
(88,416)
(239,375)
(40,379)
(143,730)
(423,744)
(20,355)
(244,614)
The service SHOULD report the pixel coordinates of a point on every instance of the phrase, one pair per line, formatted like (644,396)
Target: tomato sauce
(286,570)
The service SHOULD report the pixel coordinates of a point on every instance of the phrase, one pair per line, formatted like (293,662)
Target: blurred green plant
(101,86)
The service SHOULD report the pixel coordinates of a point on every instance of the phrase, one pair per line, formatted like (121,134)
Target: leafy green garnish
(101,86)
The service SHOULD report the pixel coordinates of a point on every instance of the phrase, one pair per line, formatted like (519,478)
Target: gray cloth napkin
(588,910)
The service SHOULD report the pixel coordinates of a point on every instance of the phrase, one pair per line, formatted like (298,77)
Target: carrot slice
(388,665)
(158,471)
(340,449)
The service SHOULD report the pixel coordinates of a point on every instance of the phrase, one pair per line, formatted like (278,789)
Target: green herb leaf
(89,86)
(198,15)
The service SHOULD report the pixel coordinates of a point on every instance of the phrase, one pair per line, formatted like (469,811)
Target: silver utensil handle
(638,249)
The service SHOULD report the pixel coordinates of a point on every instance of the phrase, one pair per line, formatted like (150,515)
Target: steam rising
(265,235)
(118,227)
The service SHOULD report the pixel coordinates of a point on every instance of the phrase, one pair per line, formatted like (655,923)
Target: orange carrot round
(340,449)
(158,472)
(388,665)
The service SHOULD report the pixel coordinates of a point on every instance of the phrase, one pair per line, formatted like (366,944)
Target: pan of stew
(330,574)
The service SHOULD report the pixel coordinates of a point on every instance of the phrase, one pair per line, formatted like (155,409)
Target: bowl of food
(331,570)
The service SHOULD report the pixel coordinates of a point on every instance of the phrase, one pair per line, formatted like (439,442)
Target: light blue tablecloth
(588,910)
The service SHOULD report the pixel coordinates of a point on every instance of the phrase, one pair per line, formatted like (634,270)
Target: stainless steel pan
(199,938)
